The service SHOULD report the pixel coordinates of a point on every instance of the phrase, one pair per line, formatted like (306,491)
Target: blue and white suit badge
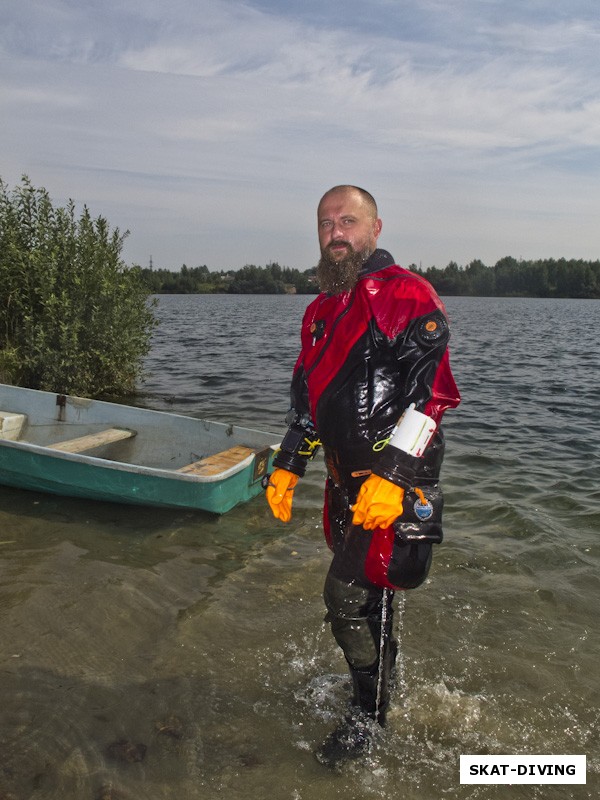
(423,510)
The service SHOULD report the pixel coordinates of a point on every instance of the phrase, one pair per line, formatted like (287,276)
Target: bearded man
(371,384)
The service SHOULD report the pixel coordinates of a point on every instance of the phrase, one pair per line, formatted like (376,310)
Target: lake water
(170,654)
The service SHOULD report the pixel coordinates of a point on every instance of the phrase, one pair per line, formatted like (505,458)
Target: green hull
(46,473)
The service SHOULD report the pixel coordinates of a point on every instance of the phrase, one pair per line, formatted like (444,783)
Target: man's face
(346,225)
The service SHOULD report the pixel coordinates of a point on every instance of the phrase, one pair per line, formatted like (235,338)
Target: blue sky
(210,128)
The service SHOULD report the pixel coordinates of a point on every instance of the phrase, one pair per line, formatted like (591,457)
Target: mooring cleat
(350,740)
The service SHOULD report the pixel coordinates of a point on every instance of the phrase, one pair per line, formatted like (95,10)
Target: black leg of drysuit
(370,701)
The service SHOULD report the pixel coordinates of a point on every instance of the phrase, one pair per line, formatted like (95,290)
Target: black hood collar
(376,261)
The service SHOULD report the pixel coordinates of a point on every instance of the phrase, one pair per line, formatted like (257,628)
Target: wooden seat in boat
(219,462)
(93,440)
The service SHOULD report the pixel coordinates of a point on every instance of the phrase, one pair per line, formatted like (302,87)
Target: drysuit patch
(424,511)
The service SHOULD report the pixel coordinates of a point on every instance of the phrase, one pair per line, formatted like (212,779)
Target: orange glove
(280,493)
(378,504)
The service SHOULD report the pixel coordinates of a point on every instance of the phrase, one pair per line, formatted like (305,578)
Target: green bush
(73,318)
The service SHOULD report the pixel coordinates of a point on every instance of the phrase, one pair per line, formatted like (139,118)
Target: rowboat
(78,447)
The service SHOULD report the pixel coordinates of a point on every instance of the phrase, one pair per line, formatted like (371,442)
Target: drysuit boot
(352,738)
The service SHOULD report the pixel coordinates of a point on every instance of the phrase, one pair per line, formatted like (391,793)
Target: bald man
(370,386)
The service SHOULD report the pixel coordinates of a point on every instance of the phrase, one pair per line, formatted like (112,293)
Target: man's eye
(348,221)
(326,223)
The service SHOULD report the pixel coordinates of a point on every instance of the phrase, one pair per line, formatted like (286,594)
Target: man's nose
(337,231)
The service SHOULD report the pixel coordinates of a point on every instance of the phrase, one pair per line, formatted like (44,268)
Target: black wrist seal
(299,446)
(396,466)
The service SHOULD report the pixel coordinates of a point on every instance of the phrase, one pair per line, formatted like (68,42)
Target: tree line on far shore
(509,277)
(272,279)
(74,318)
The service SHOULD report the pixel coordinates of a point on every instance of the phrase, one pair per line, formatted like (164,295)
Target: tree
(480,279)
(73,318)
(504,274)
(257,280)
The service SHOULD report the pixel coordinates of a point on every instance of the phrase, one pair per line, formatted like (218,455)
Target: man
(370,385)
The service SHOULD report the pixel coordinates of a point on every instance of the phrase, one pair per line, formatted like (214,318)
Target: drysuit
(366,355)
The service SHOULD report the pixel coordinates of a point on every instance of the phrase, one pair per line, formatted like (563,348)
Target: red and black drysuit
(366,356)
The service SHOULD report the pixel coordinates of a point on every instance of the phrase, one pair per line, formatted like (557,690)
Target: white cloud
(210,129)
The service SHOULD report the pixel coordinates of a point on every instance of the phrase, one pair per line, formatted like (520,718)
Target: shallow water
(171,654)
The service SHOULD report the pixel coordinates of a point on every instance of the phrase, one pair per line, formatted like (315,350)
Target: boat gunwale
(139,469)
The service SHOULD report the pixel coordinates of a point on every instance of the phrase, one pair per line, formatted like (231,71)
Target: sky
(209,129)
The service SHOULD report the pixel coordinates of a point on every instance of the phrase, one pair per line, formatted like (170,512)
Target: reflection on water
(173,654)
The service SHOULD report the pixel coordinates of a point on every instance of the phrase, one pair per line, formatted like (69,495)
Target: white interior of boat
(126,434)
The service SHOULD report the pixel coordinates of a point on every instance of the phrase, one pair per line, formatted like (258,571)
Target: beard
(335,277)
